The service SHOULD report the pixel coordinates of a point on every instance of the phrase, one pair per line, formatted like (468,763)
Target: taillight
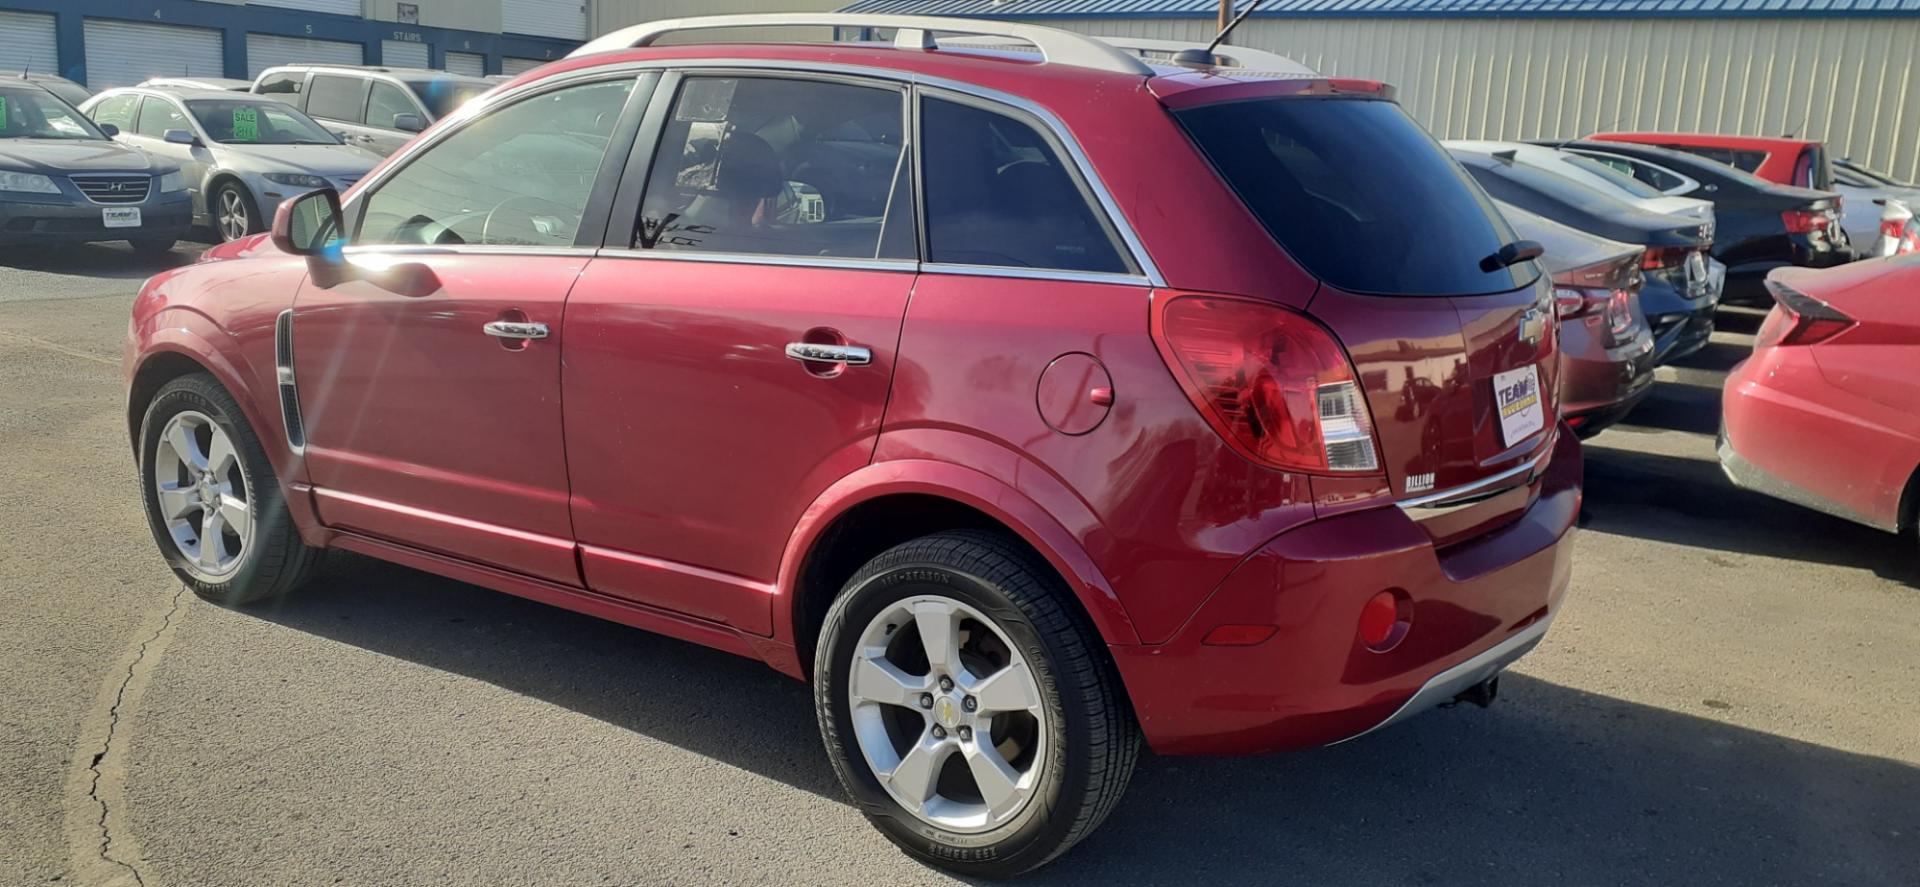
(1270,381)
(1800,319)
(1905,235)
(1660,258)
(1806,221)
(1603,290)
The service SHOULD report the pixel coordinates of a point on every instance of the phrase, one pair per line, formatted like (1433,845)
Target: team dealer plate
(1517,394)
(120,217)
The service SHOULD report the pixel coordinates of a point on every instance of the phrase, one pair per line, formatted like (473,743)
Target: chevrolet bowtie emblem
(1533,325)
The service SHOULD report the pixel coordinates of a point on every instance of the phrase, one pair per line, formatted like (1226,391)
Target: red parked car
(1798,162)
(1027,404)
(1831,373)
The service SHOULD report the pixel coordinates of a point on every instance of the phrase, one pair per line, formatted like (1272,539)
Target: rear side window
(117,110)
(998,194)
(779,167)
(337,98)
(1358,194)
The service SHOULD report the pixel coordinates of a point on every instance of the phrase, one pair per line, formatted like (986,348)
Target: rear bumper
(1779,428)
(1476,607)
(164,217)
(1599,386)
(1682,323)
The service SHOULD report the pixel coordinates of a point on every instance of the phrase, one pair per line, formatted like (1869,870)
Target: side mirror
(108,129)
(309,224)
(409,122)
(179,137)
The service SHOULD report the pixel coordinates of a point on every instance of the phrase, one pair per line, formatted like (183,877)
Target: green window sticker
(246,124)
(3,112)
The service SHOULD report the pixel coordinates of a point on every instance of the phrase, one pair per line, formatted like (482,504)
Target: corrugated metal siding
(124,53)
(545,18)
(266,50)
(27,43)
(1848,81)
(470,63)
(1333,8)
(403,54)
(337,7)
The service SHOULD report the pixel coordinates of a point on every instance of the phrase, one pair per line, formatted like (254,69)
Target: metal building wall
(1849,81)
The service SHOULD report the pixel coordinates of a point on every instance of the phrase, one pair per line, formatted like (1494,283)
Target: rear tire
(215,507)
(1064,735)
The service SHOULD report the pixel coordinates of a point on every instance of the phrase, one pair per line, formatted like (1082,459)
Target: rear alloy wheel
(233,214)
(212,499)
(968,708)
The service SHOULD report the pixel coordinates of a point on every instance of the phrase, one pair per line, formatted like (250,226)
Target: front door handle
(814,352)
(509,329)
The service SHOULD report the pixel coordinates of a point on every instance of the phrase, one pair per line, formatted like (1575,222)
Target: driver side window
(516,176)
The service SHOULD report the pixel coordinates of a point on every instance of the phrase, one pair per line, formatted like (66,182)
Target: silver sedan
(241,154)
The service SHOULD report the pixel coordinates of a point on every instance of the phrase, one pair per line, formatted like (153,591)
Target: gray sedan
(241,154)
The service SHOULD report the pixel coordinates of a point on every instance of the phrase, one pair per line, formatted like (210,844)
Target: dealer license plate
(1516,393)
(120,217)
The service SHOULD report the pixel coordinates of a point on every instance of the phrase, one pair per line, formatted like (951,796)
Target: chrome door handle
(508,329)
(851,355)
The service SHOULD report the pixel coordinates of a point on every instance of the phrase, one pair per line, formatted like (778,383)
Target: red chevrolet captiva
(1031,403)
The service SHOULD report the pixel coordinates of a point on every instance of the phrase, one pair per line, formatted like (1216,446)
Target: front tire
(968,707)
(212,500)
(234,215)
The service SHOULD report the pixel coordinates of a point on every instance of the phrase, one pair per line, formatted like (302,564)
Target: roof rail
(914,32)
(1229,55)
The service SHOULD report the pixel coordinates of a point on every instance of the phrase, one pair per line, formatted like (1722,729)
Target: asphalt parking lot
(1729,698)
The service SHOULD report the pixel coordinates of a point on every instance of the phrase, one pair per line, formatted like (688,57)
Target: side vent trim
(289,390)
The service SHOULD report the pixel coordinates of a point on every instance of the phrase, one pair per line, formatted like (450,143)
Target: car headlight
(299,179)
(27,182)
(172,182)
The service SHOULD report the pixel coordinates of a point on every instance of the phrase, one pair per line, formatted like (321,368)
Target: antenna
(1205,57)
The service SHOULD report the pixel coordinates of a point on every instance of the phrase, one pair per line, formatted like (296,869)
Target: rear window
(1618,179)
(1358,194)
(445,95)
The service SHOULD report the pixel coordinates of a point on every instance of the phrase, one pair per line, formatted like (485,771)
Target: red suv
(1029,404)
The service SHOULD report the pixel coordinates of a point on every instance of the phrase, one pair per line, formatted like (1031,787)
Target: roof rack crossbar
(914,32)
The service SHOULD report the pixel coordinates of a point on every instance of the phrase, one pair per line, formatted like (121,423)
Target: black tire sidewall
(192,393)
(1009,848)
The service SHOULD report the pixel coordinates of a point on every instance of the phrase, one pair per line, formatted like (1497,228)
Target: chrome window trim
(459,119)
(834,262)
(463,249)
(1036,274)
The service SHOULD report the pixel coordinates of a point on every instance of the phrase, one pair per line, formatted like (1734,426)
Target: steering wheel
(517,228)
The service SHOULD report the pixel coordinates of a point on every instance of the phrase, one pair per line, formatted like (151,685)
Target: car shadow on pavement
(115,261)
(1550,785)
(1685,501)
(1674,407)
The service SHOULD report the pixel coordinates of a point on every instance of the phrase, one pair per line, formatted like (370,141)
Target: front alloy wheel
(203,494)
(231,214)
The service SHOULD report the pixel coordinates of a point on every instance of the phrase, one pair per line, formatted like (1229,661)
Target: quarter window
(780,167)
(519,175)
(337,98)
(157,116)
(998,194)
(386,102)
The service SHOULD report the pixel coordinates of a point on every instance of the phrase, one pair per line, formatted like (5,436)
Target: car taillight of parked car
(1905,235)
(1602,290)
(1272,382)
(1661,258)
(1799,319)
(1806,221)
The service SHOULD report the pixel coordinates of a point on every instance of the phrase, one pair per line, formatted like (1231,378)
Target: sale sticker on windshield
(1517,394)
(246,124)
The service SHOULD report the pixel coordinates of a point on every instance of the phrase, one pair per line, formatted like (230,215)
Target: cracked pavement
(1727,699)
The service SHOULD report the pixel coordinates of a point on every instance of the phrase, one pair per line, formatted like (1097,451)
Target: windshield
(1614,177)
(34,113)
(444,95)
(1358,194)
(257,122)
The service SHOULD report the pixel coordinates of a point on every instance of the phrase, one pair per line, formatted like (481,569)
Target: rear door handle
(851,355)
(508,329)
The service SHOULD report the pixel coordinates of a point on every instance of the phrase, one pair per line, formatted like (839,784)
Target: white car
(1594,174)
(1864,214)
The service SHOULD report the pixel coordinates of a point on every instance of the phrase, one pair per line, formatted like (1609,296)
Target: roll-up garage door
(544,18)
(266,50)
(401,54)
(124,53)
(27,43)
(337,7)
(471,64)
(511,65)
